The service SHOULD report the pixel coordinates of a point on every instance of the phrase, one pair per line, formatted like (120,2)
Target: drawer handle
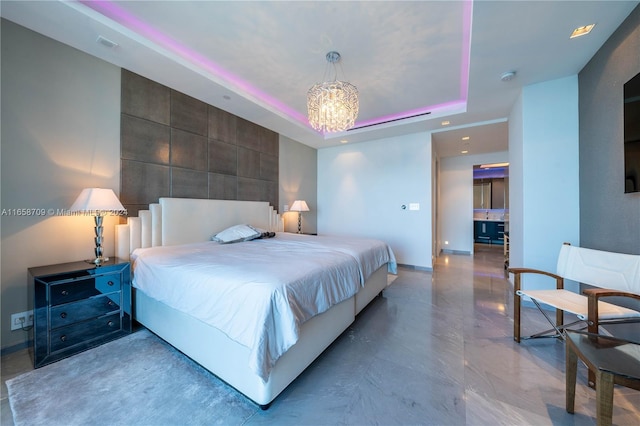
(64,293)
(110,323)
(110,283)
(63,315)
(63,338)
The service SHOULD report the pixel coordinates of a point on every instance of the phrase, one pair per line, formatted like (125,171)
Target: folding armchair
(612,274)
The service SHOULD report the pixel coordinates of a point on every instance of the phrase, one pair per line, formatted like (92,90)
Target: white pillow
(236,233)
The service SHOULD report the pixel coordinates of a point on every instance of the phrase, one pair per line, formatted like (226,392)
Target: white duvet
(259,292)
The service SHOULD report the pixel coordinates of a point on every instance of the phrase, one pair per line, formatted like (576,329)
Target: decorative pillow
(236,233)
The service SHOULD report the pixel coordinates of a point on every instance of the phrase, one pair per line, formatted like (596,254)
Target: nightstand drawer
(74,334)
(83,288)
(93,307)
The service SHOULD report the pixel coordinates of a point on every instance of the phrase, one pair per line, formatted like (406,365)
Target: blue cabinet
(488,232)
(498,236)
(482,231)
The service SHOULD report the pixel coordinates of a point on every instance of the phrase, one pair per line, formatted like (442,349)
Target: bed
(253,322)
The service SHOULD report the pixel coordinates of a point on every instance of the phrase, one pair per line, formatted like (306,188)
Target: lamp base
(99,259)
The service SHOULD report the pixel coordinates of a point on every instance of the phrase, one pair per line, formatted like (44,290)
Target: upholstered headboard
(188,220)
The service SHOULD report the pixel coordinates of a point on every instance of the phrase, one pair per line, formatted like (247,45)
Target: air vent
(106,42)
(389,121)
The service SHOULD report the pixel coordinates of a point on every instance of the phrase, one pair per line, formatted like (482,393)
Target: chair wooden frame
(517,304)
(613,274)
(593,302)
(593,323)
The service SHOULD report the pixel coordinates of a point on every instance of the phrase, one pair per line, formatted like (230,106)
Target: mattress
(259,292)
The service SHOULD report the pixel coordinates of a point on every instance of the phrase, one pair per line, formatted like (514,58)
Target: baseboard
(417,268)
(447,251)
(16,348)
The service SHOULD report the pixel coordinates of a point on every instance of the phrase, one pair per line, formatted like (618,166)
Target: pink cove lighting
(122,17)
(119,15)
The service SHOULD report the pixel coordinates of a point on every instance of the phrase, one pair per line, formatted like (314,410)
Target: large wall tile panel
(269,167)
(144,140)
(272,190)
(269,142)
(189,183)
(222,125)
(142,184)
(188,150)
(248,135)
(145,98)
(250,189)
(188,114)
(223,187)
(175,145)
(248,163)
(223,157)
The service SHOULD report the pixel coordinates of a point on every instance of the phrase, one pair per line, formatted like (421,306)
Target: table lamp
(299,206)
(97,202)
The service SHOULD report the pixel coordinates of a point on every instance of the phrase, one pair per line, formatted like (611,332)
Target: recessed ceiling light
(489,166)
(344,141)
(466,138)
(445,123)
(227,97)
(464,152)
(580,31)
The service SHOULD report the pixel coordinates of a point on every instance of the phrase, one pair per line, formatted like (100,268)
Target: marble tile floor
(436,349)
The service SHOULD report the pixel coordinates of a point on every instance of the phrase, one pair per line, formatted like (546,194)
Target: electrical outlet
(22,319)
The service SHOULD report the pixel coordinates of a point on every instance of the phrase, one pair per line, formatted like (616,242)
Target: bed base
(228,360)
(372,288)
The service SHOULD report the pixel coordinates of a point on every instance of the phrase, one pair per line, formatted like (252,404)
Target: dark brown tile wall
(144,98)
(173,145)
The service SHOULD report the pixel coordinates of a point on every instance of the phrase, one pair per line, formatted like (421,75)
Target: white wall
(543,157)
(455,210)
(298,171)
(60,133)
(516,173)
(361,188)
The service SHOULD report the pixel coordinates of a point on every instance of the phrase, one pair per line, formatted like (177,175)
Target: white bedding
(259,292)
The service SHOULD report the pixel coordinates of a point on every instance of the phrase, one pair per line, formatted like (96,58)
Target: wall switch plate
(22,319)
(285,208)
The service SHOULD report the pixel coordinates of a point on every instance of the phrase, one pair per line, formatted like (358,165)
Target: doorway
(491,208)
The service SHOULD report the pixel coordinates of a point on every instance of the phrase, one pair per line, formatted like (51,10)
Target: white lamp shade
(299,206)
(97,199)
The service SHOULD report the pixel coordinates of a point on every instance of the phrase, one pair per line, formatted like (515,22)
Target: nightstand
(78,306)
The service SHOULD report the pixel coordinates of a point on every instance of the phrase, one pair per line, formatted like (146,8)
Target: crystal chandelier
(332,105)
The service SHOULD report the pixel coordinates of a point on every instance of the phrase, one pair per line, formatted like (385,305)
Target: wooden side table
(614,361)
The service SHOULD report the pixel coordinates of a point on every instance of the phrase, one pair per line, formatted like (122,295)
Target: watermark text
(25,211)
